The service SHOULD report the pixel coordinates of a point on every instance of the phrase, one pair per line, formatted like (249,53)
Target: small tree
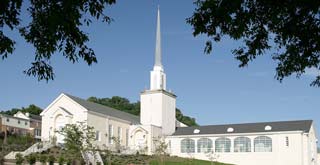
(160,148)
(43,159)
(19,159)
(78,138)
(212,156)
(32,158)
(51,159)
(61,160)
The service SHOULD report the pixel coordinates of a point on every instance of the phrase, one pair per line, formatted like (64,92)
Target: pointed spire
(158,42)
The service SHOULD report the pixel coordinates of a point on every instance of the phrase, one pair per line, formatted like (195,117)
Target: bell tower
(158,106)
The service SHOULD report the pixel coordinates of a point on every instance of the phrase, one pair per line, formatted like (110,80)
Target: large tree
(291,28)
(55,26)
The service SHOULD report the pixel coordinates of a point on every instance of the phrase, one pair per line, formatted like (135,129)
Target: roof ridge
(267,122)
(100,105)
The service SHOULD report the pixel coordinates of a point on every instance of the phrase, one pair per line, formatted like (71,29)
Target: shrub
(61,160)
(19,159)
(43,159)
(51,159)
(31,159)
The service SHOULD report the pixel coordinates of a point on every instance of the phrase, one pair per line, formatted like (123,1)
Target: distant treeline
(32,109)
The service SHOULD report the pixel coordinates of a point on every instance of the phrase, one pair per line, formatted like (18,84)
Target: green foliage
(185,119)
(290,27)
(125,105)
(32,158)
(19,140)
(43,159)
(119,103)
(78,138)
(32,109)
(51,160)
(152,160)
(61,160)
(19,159)
(49,33)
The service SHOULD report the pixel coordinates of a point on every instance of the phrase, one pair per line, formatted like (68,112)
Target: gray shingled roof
(300,125)
(35,117)
(98,108)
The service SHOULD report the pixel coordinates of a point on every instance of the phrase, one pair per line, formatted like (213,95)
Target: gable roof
(35,117)
(98,108)
(280,126)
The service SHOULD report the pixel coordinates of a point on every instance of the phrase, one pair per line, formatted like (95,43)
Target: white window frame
(120,134)
(110,133)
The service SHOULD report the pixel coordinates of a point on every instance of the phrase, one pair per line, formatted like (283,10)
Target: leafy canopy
(78,138)
(291,27)
(55,27)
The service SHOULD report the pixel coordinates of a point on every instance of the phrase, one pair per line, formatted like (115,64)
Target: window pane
(242,144)
(97,135)
(223,145)
(110,134)
(204,145)
(127,137)
(262,144)
(187,146)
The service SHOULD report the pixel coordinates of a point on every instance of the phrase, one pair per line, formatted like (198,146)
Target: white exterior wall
(149,132)
(124,125)
(14,122)
(158,108)
(310,141)
(71,112)
(101,123)
(280,155)
(157,79)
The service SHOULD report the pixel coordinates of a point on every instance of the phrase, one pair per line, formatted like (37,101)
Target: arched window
(187,146)
(242,144)
(204,145)
(222,145)
(262,144)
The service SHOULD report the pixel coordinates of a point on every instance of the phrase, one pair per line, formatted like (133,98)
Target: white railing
(37,147)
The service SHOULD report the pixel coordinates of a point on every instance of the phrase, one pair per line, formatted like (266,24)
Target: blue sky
(210,88)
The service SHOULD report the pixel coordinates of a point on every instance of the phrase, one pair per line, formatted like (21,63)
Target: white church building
(277,143)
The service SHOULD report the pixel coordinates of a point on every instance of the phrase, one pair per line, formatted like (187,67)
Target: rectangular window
(120,134)
(18,121)
(97,135)
(8,119)
(110,134)
(127,137)
(26,123)
(287,141)
(37,132)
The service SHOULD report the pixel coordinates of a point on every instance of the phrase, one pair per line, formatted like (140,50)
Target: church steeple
(157,75)
(158,43)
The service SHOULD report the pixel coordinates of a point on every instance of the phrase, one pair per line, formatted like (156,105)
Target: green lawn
(182,161)
(153,160)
